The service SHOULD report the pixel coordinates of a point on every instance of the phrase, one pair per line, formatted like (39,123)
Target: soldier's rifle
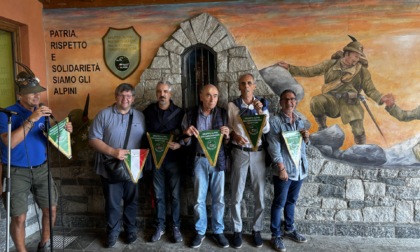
(363,100)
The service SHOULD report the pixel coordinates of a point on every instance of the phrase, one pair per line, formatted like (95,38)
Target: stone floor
(91,240)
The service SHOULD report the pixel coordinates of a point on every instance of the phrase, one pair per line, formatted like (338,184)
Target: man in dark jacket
(165,117)
(206,177)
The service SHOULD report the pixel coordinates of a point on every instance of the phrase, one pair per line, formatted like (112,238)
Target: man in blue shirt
(106,135)
(28,164)
(287,176)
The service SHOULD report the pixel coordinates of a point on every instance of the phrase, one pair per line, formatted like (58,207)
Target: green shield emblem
(122,51)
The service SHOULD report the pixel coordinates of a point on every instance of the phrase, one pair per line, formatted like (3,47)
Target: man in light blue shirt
(287,176)
(106,135)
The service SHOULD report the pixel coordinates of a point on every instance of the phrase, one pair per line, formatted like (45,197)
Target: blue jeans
(167,178)
(286,194)
(113,193)
(206,177)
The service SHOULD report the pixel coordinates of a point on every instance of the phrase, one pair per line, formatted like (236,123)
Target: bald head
(209,96)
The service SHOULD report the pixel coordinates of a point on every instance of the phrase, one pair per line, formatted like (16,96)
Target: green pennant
(135,161)
(253,125)
(210,141)
(60,137)
(293,141)
(159,144)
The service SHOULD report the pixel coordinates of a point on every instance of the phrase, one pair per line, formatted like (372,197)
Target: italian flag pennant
(135,161)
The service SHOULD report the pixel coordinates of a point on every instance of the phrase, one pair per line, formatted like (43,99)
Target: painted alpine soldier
(344,80)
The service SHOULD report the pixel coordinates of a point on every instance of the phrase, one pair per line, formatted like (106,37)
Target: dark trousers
(167,179)
(113,194)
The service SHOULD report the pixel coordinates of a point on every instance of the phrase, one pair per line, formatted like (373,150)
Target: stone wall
(346,200)
(337,199)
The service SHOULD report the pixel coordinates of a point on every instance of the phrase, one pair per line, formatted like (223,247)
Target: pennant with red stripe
(135,161)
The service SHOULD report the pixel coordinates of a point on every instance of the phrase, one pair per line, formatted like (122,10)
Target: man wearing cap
(344,79)
(28,164)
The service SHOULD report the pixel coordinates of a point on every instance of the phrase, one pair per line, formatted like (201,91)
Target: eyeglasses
(288,99)
(125,96)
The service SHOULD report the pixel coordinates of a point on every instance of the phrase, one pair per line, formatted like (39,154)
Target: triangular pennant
(293,141)
(210,141)
(253,125)
(159,144)
(135,161)
(60,137)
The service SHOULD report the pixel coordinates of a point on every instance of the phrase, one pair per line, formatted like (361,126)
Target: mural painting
(267,35)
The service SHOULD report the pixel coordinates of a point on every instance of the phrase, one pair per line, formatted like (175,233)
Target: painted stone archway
(232,61)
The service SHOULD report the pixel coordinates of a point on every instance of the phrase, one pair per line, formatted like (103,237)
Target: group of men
(346,76)
(107,134)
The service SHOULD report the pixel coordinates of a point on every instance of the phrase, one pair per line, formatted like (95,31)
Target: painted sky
(301,33)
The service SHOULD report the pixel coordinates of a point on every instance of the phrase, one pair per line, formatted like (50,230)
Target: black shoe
(258,242)
(237,240)
(295,236)
(158,234)
(111,241)
(131,238)
(198,239)
(221,240)
(44,248)
(177,235)
(278,244)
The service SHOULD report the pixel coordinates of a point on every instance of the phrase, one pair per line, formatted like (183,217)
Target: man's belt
(260,148)
(30,167)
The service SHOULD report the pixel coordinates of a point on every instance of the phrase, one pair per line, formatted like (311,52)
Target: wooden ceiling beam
(60,4)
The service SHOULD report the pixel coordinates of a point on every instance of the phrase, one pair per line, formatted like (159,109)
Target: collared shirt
(235,124)
(217,118)
(204,122)
(33,150)
(278,149)
(110,126)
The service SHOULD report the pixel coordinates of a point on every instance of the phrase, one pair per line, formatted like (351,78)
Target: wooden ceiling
(60,4)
